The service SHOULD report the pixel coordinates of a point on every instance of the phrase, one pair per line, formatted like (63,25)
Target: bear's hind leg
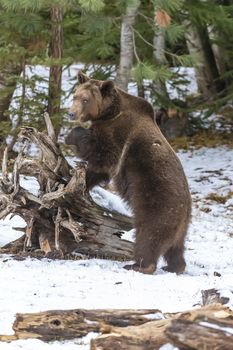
(175,259)
(144,255)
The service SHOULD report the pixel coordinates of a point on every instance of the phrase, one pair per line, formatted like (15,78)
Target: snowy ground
(34,285)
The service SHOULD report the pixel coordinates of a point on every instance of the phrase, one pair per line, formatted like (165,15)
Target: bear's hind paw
(149,270)
(176,270)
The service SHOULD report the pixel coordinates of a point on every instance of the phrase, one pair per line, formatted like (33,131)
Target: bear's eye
(85,101)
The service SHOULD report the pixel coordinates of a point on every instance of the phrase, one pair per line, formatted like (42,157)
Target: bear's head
(91,98)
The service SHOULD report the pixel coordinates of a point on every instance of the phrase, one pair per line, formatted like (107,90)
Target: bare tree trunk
(195,48)
(56,53)
(217,51)
(127,45)
(15,130)
(212,67)
(207,73)
(159,46)
(8,83)
(160,59)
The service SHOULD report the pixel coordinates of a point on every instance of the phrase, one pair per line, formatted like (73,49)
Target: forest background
(140,41)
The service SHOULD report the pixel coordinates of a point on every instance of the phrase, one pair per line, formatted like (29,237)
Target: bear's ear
(82,78)
(106,87)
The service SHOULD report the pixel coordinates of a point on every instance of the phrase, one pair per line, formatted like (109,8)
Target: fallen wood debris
(62,219)
(206,328)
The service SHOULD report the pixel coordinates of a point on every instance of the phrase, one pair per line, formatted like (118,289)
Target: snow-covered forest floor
(35,285)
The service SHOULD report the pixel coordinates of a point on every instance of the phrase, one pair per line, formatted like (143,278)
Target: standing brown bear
(123,143)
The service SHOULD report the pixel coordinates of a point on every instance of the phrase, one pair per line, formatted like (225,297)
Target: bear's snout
(71,115)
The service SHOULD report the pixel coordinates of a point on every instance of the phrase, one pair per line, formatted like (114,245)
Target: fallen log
(209,328)
(69,324)
(62,218)
(149,336)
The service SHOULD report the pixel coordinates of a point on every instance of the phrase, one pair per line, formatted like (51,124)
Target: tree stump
(62,218)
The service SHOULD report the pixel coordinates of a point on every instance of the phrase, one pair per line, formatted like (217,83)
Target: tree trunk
(55,74)
(8,84)
(218,85)
(207,74)
(160,59)
(127,45)
(217,50)
(15,130)
(63,218)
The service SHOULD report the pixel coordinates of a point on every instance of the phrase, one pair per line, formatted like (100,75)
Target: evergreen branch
(149,20)
(143,39)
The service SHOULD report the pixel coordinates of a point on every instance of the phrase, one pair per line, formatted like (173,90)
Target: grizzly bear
(124,144)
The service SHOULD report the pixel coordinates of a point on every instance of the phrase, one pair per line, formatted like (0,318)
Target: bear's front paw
(76,135)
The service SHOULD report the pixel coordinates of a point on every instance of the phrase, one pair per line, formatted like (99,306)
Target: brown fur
(125,144)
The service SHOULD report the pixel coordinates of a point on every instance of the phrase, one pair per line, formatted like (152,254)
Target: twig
(28,239)
(143,39)
(74,226)
(4,164)
(57,227)
(15,173)
(16,169)
(57,167)
(134,46)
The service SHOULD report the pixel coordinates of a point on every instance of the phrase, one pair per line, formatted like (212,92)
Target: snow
(35,344)
(109,200)
(35,285)
(227,330)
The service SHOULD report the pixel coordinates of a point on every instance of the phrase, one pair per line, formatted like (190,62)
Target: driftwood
(62,218)
(207,328)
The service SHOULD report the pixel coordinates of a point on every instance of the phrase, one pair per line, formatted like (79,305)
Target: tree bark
(207,74)
(218,84)
(218,51)
(63,218)
(159,46)
(55,53)
(8,84)
(207,329)
(69,324)
(127,45)
(160,59)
